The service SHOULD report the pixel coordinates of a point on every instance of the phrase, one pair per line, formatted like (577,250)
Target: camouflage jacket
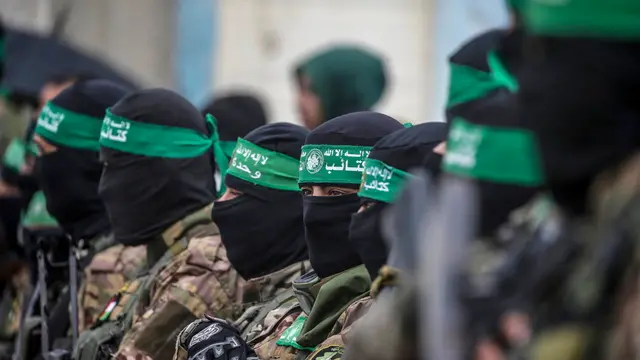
(261,297)
(110,268)
(615,205)
(333,346)
(303,326)
(197,279)
(267,293)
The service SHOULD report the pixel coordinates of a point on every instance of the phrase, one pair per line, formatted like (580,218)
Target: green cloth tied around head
(154,140)
(499,154)
(219,153)
(382,182)
(263,167)
(332,164)
(67,128)
(467,84)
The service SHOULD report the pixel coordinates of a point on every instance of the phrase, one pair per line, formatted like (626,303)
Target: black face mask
(326,222)
(366,238)
(69,179)
(271,228)
(129,198)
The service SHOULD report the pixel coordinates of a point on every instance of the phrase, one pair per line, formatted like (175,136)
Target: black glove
(212,338)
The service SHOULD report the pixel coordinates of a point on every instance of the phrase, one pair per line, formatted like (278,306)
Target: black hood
(69,177)
(144,194)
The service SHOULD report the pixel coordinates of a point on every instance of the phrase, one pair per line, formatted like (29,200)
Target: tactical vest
(103,339)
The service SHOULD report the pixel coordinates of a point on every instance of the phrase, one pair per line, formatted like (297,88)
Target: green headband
(504,155)
(262,167)
(381,182)
(68,128)
(332,164)
(154,140)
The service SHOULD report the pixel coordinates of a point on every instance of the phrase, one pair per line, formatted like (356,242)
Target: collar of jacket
(265,288)
(165,242)
(334,295)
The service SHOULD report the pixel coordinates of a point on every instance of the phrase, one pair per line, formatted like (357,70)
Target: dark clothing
(580,97)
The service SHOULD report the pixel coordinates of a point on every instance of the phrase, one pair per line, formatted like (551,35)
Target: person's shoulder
(355,311)
(207,248)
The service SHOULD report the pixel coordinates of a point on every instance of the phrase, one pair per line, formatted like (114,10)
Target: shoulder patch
(331,352)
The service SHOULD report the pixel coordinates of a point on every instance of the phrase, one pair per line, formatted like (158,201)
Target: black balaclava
(262,229)
(327,218)
(403,150)
(237,115)
(69,177)
(145,195)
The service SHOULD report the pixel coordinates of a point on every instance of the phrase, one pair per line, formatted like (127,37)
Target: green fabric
(36,214)
(503,155)
(468,84)
(332,164)
(515,5)
(228,147)
(15,154)
(219,155)
(263,167)
(334,296)
(382,182)
(155,140)
(584,18)
(64,127)
(500,73)
(345,79)
(290,335)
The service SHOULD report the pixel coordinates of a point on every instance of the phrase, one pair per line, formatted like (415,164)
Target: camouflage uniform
(270,291)
(197,280)
(341,332)
(105,275)
(300,328)
(262,297)
(194,276)
(615,202)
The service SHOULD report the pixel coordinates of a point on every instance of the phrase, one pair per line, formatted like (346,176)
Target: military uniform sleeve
(277,322)
(333,346)
(198,280)
(107,273)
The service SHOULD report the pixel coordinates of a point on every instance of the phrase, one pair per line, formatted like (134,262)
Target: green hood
(346,79)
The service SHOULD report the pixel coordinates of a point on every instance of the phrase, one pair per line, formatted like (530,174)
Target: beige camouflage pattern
(257,293)
(278,321)
(107,273)
(260,291)
(340,335)
(614,193)
(197,280)
(20,289)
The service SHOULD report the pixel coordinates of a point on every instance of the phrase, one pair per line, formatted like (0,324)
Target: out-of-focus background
(206,47)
